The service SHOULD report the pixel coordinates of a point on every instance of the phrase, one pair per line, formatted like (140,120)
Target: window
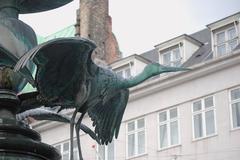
(226,41)
(106,152)
(235,107)
(136,138)
(172,58)
(64,149)
(125,73)
(204,118)
(168,128)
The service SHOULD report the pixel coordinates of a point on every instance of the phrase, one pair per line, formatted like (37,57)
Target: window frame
(135,132)
(168,122)
(203,115)
(106,150)
(69,145)
(230,105)
(226,40)
(123,70)
(171,62)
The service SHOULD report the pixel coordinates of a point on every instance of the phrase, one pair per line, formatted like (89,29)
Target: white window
(125,73)
(204,124)
(235,107)
(226,41)
(168,128)
(64,149)
(172,58)
(136,138)
(106,152)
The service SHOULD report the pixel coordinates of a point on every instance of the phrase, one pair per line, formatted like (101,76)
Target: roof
(66,32)
(122,61)
(151,55)
(231,16)
(203,36)
(202,54)
(176,39)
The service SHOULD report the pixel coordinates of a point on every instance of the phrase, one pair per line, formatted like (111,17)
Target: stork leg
(71,133)
(77,129)
(82,98)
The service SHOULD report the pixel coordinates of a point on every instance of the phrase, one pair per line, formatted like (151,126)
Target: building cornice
(126,60)
(225,21)
(176,41)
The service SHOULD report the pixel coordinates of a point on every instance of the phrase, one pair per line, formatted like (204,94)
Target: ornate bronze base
(17,141)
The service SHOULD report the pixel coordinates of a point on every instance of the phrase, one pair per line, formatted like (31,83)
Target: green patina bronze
(66,76)
(33,6)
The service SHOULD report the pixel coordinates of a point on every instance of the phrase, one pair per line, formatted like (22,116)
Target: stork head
(155,69)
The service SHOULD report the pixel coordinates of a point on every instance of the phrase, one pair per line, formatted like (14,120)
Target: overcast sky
(141,24)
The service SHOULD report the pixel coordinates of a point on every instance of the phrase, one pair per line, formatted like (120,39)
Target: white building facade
(193,115)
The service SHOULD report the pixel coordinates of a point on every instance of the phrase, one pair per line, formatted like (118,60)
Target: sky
(139,25)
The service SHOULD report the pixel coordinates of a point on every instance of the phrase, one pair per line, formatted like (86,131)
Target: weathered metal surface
(33,6)
(17,140)
(16,39)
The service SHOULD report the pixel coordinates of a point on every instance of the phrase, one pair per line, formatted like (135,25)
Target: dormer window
(177,51)
(129,66)
(172,57)
(226,41)
(225,35)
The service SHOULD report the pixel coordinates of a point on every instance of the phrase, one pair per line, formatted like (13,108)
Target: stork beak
(175,69)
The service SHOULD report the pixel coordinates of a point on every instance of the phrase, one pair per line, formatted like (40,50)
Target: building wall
(138,66)
(189,49)
(221,146)
(212,78)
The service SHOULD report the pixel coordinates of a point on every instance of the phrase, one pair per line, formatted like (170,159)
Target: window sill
(235,129)
(202,138)
(170,147)
(223,56)
(137,156)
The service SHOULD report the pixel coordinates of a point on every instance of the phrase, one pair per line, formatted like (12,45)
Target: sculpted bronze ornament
(66,78)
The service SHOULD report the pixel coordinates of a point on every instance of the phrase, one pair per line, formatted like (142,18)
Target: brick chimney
(94,22)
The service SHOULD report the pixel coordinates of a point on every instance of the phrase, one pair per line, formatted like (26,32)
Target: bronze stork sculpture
(66,76)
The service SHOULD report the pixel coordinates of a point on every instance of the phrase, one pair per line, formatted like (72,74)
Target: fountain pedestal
(17,140)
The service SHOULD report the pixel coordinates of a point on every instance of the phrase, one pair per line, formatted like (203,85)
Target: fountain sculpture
(66,78)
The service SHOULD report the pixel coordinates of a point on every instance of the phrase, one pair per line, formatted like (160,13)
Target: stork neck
(131,82)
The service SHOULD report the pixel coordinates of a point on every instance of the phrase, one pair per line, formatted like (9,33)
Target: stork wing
(29,101)
(107,117)
(61,67)
(88,131)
